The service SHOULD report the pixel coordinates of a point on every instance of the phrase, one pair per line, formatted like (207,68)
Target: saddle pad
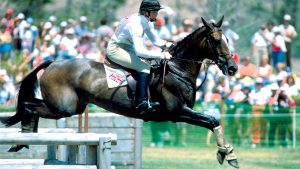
(115,77)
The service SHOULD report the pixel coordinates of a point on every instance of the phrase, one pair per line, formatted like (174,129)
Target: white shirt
(70,44)
(259,39)
(259,96)
(131,31)
(288,32)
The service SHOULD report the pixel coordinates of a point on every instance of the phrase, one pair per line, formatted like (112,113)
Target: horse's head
(218,45)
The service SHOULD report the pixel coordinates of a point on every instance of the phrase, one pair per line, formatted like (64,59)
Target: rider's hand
(166,55)
(169,44)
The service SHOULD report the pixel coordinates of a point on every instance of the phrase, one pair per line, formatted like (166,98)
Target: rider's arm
(152,35)
(140,49)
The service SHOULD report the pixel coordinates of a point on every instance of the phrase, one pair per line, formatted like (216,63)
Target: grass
(204,158)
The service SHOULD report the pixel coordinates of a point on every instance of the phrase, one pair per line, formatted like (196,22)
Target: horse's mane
(180,46)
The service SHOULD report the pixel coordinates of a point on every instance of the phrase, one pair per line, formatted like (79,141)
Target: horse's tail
(26,93)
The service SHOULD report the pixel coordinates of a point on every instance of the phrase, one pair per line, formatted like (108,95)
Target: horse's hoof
(220,157)
(17,148)
(234,163)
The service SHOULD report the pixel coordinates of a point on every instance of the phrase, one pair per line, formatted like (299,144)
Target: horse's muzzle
(232,70)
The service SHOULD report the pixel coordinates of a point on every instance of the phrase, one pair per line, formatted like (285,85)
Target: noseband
(217,57)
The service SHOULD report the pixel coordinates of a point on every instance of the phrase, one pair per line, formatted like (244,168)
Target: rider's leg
(141,95)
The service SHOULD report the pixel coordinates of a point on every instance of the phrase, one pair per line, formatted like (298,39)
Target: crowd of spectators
(264,84)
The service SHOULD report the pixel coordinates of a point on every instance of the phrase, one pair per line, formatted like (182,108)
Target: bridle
(216,58)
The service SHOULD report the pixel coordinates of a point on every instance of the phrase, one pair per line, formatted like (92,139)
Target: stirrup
(146,106)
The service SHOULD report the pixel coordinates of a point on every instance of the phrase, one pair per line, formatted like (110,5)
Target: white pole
(294,128)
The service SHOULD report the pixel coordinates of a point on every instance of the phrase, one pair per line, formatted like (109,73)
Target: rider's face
(152,15)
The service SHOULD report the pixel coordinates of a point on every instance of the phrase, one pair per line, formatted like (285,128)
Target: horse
(68,86)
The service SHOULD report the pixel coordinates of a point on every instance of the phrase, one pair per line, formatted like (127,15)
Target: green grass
(204,158)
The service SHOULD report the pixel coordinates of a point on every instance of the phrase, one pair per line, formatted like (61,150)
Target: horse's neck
(185,69)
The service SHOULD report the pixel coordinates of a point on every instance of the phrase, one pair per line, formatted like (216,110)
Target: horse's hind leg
(29,124)
(225,150)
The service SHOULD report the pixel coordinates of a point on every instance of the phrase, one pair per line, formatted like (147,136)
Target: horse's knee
(213,122)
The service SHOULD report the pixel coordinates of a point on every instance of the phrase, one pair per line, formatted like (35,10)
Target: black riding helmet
(150,5)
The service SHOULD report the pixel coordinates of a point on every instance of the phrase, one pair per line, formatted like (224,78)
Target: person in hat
(278,47)
(68,45)
(8,20)
(258,98)
(82,28)
(289,34)
(127,48)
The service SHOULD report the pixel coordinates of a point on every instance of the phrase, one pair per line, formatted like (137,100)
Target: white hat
(47,25)
(287,17)
(52,18)
(47,38)
(273,86)
(259,80)
(63,24)
(83,19)
(21,16)
(226,23)
(276,29)
(69,31)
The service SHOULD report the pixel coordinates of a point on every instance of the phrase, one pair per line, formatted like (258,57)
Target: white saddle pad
(115,77)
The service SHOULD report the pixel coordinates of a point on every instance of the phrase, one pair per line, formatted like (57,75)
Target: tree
(33,8)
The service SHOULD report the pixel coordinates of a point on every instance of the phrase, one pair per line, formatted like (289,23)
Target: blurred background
(258,107)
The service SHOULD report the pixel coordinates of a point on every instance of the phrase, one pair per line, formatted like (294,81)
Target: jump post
(98,146)
(127,154)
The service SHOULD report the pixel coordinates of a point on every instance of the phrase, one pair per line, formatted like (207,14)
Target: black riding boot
(141,96)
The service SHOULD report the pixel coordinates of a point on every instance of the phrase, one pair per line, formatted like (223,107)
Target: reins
(206,65)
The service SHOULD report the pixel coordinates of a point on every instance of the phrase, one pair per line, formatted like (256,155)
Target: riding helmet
(150,5)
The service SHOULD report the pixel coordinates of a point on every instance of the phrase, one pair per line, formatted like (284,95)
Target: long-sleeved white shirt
(131,31)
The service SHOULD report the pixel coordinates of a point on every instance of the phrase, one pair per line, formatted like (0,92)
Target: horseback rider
(127,48)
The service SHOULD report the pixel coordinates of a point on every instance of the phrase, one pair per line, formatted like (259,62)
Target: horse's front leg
(225,150)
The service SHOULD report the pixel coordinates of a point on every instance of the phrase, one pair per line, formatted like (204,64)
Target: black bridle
(216,57)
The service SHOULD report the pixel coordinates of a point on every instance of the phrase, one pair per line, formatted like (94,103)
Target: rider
(127,48)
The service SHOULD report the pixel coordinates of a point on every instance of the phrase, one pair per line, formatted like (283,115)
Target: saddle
(131,76)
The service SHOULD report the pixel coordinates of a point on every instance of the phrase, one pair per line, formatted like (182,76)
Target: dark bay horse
(68,86)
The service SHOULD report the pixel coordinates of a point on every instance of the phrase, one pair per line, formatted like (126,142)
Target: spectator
(68,45)
(162,31)
(270,36)
(278,47)
(6,96)
(47,49)
(289,33)
(35,33)
(197,23)
(28,38)
(259,45)
(54,28)
(8,20)
(87,48)
(279,104)
(231,35)
(5,43)
(239,107)
(171,27)
(102,32)
(265,70)
(280,74)
(18,32)
(81,28)
(259,99)
(248,69)
(185,29)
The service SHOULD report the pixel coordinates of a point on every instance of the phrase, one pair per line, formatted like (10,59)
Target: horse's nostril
(232,70)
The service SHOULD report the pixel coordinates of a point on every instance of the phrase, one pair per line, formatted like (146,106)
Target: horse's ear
(207,25)
(219,24)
